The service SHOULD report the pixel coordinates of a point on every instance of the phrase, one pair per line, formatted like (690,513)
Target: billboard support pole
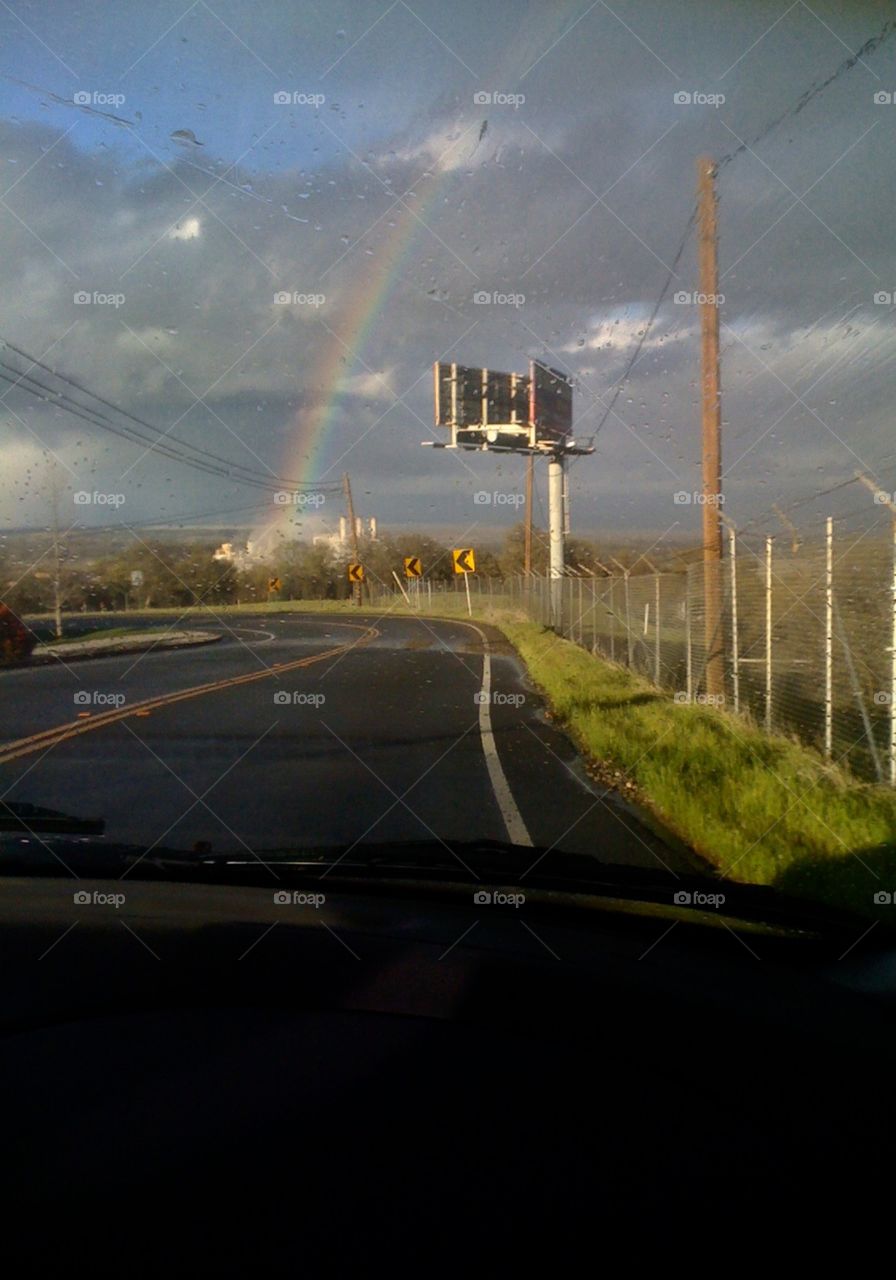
(556,479)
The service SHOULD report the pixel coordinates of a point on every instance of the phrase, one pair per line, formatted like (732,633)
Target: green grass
(109,633)
(760,808)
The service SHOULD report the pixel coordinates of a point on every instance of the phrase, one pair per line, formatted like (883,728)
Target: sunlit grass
(760,808)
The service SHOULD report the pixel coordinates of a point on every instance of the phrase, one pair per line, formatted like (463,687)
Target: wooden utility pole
(57,555)
(711,416)
(527,555)
(350,508)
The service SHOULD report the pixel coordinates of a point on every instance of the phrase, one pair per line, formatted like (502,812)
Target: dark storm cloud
(576,200)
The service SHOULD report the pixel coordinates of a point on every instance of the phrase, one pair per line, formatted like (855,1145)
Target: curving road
(303,730)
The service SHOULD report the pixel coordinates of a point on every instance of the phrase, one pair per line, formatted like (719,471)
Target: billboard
(485,408)
(473,399)
(550,402)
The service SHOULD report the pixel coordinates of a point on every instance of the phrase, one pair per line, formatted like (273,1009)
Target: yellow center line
(71,729)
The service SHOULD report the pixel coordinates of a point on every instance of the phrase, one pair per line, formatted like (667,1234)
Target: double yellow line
(51,737)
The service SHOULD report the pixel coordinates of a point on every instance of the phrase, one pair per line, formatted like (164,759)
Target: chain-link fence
(804,642)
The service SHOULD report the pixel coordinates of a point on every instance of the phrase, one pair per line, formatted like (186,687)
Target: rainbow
(312,428)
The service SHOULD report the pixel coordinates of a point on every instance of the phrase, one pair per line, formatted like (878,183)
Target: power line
(159,441)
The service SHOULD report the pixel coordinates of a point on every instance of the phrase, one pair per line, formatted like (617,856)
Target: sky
(158,195)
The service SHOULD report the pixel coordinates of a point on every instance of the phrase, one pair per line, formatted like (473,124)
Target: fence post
(829,639)
(735,638)
(581,616)
(612,620)
(768,634)
(688,636)
(656,659)
(628,624)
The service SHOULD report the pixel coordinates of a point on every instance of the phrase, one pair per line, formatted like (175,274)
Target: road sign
(274,584)
(412,567)
(464,560)
(136,577)
(356,573)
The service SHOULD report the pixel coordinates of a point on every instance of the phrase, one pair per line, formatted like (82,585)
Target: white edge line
(517,831)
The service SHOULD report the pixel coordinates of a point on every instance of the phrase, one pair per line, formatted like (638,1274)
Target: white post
(735,639)
(555,521)
(467,585)
(401,588)
(829,639)
(768,634)
(688,638)
(656,661)
(612,620)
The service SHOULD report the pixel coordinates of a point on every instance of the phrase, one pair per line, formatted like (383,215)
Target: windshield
(436,425)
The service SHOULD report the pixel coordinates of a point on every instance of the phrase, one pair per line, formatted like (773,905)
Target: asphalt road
(313,731)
